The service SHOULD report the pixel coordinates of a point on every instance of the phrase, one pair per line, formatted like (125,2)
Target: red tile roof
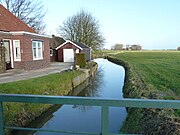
(9,22)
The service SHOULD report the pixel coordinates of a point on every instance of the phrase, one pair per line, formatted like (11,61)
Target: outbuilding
(55,42)
(66,51)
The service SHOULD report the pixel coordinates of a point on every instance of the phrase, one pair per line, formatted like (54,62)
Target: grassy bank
(159,71)
(20,114)
(151,75)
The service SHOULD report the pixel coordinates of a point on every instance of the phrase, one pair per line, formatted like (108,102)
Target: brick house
(24,48)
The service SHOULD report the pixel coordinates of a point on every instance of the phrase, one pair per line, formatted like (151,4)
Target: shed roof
(80,44)
(77,44)
(9,22)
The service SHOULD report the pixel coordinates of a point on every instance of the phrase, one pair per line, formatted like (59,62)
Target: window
(77,50)
(37,50)
(17,50)
(51,52)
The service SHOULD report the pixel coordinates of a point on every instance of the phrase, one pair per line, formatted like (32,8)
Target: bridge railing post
(105,120)
(1,119)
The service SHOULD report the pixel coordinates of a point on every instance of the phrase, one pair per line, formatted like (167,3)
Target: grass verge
(151,75)
(20,114)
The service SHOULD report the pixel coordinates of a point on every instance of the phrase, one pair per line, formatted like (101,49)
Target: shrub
(81,60)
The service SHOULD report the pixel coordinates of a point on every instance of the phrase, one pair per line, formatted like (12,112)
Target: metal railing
(88,101)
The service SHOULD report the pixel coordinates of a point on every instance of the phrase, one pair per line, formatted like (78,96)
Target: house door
(7,54)
(68,55)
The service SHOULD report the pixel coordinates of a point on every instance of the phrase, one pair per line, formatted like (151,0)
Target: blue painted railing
(104,103)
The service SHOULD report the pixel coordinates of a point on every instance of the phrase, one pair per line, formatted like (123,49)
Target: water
(108,83)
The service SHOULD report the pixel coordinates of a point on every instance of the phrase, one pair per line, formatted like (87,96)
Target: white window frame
(11,50)
(19,46)
(36,49)
(77,50)
(51,52)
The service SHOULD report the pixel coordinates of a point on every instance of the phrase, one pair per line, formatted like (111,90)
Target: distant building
(134,47)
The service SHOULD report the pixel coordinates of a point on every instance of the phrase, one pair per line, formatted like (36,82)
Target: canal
(107,83)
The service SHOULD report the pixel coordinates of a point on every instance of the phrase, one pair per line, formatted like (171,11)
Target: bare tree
(29,11)
(83,27)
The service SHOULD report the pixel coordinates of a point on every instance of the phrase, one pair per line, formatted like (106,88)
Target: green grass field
(21,114)
(151,74)
(158,70)
(54,84)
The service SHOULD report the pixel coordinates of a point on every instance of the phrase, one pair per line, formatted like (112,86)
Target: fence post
(105,120)
(1,119)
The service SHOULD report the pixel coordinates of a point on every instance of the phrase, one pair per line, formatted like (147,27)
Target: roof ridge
(81,43)
(18,19)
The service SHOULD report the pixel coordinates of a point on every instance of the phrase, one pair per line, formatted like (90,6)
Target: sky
(154,24)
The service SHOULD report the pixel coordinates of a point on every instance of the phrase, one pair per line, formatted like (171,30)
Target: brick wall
(2,60)
(27,61)
(54,57)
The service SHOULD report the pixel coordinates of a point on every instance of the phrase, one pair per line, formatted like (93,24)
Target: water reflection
(95,82)
(107,83)
(92,90)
